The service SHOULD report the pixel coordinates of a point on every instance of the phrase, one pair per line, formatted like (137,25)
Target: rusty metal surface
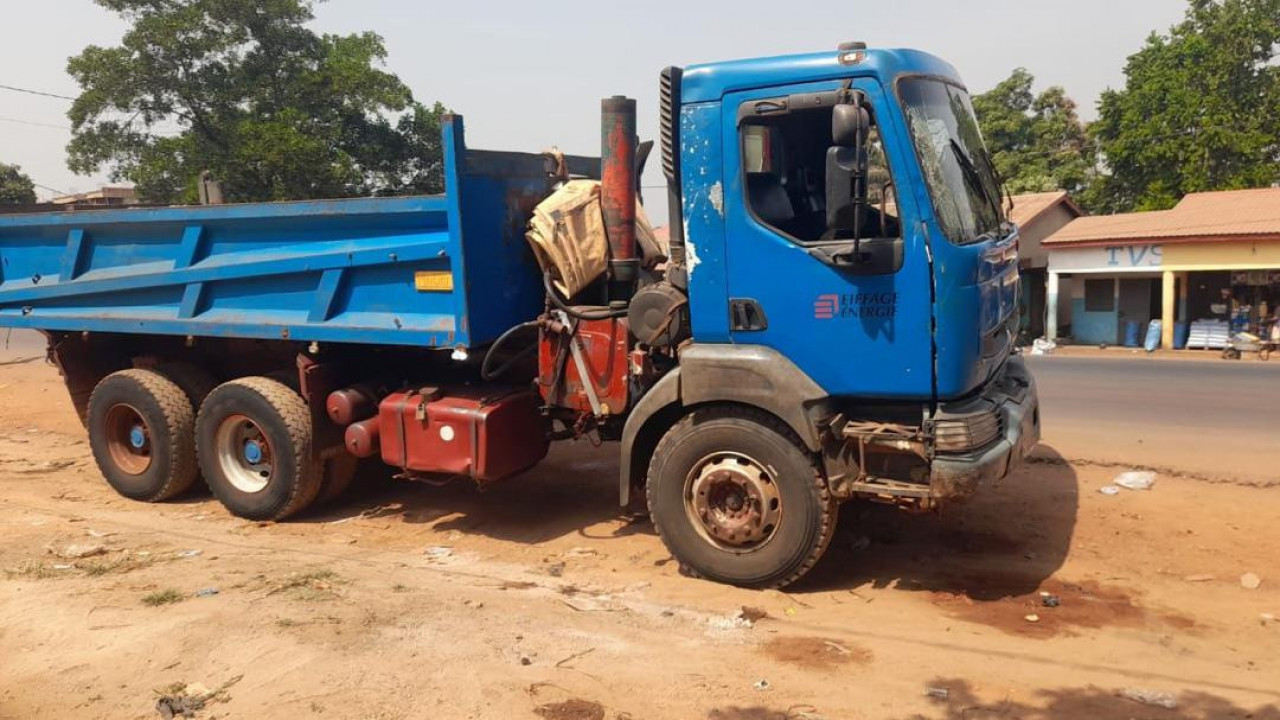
(618,174)
(604,349)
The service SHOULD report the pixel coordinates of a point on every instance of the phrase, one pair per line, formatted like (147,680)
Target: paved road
(1216,418)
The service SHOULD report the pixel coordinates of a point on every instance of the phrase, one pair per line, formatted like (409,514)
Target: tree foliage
(15,187)
(1037,142)
(244,89)
(1200,109)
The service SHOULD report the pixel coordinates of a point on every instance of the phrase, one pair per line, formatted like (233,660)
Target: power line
(34,124)
(41,93)
(52,190)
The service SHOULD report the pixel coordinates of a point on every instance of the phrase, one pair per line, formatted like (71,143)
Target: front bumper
(1013,393)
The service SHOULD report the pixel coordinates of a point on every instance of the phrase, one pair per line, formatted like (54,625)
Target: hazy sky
(528,75)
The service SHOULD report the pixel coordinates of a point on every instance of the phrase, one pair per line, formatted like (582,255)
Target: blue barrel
(1181,333)
(1132,334)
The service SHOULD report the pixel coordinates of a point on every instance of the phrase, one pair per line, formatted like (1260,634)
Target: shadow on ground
(1094,703)
(962,703)
(1003,542)
(571,491)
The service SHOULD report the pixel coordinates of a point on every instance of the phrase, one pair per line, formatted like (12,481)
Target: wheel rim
(733,502)
(244,454)
(128,439)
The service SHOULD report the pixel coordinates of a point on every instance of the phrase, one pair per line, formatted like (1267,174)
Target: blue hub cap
(137,437)
(253,452)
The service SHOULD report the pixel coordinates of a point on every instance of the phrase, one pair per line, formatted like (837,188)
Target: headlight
(968,432)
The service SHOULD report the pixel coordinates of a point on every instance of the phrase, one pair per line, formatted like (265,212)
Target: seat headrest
(769,199)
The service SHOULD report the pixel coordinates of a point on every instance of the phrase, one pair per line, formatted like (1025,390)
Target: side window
(784,161)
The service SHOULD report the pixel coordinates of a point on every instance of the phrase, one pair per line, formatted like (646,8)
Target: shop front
(1205,270)
(1105,295)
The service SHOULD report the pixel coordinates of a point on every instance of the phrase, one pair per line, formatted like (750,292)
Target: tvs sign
(1118,258)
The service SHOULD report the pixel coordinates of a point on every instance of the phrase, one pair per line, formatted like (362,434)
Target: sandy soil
(535,599)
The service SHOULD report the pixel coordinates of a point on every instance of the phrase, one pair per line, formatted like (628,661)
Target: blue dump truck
(832,319)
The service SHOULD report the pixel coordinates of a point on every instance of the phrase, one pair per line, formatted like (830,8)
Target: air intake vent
(670,123)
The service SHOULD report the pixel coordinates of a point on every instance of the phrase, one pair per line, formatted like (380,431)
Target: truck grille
(969,432)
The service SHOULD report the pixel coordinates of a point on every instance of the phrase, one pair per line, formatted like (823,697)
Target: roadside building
(1038,216)
(1213,261)
(106,196)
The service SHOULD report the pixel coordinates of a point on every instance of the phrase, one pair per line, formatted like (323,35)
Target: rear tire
(194,380)
(141,432)
(254,441)
(737,500)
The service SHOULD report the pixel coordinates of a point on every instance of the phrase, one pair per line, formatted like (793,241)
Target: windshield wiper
(974,177)
(1005,210)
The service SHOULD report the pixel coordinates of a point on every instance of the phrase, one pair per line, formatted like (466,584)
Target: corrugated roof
(1029,206)
(1211,216)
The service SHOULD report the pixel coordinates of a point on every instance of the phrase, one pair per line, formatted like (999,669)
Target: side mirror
(847,160)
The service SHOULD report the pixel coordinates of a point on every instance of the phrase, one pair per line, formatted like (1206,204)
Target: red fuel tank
(481,433)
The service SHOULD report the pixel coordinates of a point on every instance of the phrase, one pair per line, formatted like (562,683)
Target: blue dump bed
(450,271)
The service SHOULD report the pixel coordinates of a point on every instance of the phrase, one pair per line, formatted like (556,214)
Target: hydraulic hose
(486,372)
(603,314)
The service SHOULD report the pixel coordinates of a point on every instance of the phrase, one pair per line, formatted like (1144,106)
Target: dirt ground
(536,599)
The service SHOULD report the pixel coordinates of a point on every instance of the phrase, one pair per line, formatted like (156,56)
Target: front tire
(141,434)
(737,500)
(254,441)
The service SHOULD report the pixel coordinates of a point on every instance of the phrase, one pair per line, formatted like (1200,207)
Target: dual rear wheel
(154,433)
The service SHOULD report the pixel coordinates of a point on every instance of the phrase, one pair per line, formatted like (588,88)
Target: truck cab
(852,279)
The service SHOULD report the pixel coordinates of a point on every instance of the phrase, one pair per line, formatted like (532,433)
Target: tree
(15,187)
(1200,109)
(1037,142)
(244,89)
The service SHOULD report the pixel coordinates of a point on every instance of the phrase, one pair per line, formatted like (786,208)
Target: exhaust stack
(618,193)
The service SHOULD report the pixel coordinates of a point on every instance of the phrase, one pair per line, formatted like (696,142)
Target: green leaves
(1200,109)
(244,89)
(15,187)
(1038,142)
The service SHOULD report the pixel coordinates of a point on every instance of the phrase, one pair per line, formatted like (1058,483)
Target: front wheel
(736,499)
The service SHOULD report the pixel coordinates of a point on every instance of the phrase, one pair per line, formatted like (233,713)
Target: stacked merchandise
(1209,334)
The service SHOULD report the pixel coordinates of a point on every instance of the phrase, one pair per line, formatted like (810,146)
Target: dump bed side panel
(447,271)
(338,271)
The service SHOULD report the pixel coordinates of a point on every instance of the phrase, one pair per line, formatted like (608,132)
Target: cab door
(856,316)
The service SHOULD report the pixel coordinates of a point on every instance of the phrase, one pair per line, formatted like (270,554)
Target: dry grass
(312,586)
(163,597)
(33,570)
(122,563)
